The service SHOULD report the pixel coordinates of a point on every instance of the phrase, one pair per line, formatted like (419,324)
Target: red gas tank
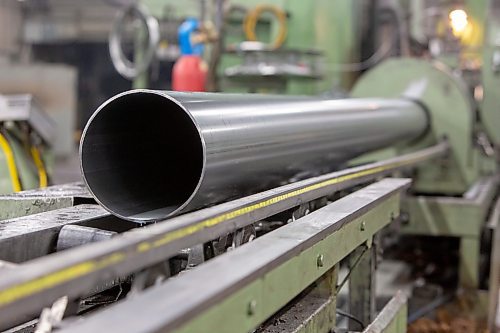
(189,74)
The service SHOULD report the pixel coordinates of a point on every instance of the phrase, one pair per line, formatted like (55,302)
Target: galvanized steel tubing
(147,155)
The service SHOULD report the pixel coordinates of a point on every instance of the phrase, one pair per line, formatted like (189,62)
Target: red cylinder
(189,74)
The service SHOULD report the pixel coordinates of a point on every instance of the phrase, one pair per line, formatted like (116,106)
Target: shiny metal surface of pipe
(147,155)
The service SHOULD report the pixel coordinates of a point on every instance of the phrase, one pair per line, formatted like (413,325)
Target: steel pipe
(147,155)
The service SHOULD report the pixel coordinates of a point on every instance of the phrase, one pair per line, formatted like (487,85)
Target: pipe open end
(142,156)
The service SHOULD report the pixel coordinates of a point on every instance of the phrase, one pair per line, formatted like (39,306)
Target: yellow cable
(11,163)
(252,17)
(42,173)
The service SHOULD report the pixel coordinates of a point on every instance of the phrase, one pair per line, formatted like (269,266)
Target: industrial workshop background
(236,166)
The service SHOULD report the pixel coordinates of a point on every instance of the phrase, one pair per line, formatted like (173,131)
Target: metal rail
(392,319)
(256,280)
(41,200)
(38,283)
(29,237)
(493,307)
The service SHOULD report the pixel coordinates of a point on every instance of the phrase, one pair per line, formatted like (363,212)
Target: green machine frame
(306,25)
(455,196)
(251,283)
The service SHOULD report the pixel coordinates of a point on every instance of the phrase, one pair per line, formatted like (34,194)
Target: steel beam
(42,200)
(451,216)
(29,237)
(77,235)
(494,280)
(392,318)
(315,311)
(362,284)
(462,217)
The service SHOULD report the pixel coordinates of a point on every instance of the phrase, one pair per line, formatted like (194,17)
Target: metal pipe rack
(254,281)
(34,284)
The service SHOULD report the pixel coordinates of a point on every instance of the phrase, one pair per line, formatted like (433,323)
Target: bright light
(458,21)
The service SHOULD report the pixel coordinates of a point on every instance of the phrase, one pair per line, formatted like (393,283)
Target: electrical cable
(11,163)
(341,284)
(380,53)
(42,173)
(350,316)
(250,23)
(375,58)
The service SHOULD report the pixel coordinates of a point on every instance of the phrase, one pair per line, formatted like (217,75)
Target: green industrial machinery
(445,214)
(302,41)
(26,134)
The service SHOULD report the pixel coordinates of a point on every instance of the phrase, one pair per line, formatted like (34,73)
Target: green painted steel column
(314,312)
(331,27)
(362,285)
(468,271)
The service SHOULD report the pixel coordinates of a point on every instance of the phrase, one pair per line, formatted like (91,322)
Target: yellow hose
(42,173)
(252,17)
(11,163)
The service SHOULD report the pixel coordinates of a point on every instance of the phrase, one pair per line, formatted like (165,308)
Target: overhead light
(458,21)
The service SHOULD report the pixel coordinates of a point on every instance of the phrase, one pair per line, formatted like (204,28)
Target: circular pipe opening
(142,156)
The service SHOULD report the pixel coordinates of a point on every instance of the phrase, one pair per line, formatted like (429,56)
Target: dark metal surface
(22,291)
(146,155)
(29,237)
(170,305)
(76,235)
(76,190)
(42,200)
(25,108)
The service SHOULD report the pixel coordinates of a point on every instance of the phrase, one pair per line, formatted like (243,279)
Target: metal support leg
(494,283)
(362,285)
(324,319)
(469,262)
(315,311)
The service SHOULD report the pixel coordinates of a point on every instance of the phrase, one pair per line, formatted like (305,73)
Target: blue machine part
(184,32)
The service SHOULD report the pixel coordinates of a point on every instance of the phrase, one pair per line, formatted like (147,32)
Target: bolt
(252,306)
(320,261)
(362,227)
(369,242)
(404,218)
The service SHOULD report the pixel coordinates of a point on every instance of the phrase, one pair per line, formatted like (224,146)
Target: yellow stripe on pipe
(11,163)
